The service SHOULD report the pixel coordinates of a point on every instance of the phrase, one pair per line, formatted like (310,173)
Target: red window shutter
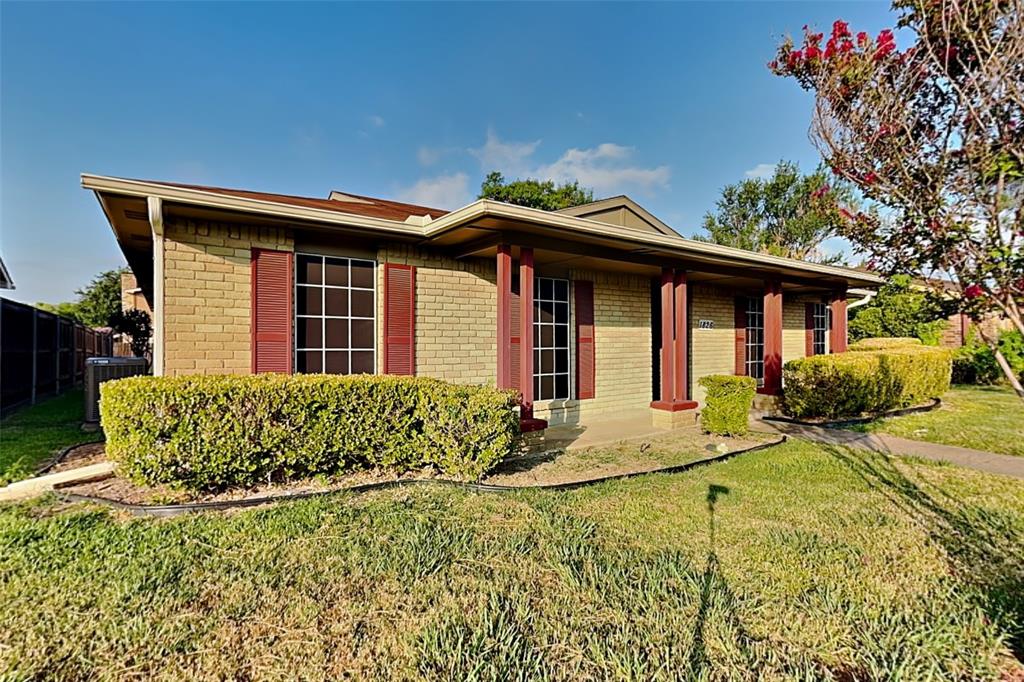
(272,284)
(399,319)
(808,329)
(586,361)
(740,324)
(515,322)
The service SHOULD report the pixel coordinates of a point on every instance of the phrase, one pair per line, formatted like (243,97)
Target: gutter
(465,216)
(868,294)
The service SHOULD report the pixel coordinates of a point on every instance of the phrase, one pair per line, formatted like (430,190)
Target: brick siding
(207,294)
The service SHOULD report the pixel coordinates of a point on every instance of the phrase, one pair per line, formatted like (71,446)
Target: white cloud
(428,156)
(509,157)
(761,171)
(442,191)
(376,120)
(606,170)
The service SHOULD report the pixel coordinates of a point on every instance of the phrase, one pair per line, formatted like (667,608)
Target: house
(588,311)
(132,297)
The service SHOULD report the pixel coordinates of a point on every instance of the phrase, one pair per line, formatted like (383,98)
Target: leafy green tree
(899,309)
(137,326)
(97,303)
(788,214)
(534,193)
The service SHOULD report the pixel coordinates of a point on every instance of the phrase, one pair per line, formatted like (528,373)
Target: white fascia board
(484,207)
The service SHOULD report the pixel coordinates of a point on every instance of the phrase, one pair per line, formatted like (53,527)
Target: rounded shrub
(885,342)
(727,405)
(207,433)
(866,382)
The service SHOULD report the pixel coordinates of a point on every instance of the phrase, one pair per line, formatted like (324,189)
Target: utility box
(98,370)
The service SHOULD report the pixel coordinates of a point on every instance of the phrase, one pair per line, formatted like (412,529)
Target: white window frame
(755,339)
(819,346)
(323,310)
(554,374)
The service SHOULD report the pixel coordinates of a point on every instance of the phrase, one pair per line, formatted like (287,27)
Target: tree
(788,214)
(935,134)
(534,193)
(899,309)
(97,302)
(137,326)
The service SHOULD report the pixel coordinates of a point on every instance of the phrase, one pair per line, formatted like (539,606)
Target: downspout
(156,224)
(859,302)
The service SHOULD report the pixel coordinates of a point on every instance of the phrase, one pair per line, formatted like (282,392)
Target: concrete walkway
(990,462)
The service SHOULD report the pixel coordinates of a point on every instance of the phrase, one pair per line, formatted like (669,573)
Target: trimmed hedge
(866,382)
(885,343)
(208,433)
(727,405)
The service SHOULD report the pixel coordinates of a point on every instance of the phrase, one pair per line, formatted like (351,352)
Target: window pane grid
(755,339)
(335,331)
(820,327)
(551,339)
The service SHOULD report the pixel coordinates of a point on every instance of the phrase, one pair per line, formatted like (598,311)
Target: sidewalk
(990,462)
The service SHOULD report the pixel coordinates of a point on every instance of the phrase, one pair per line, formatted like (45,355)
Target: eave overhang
(483,219)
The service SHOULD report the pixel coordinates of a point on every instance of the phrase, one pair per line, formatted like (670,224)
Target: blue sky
(664,102)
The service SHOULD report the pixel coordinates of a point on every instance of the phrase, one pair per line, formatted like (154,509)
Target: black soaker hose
(164,510)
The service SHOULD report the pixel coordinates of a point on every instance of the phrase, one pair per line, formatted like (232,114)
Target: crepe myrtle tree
(934,136)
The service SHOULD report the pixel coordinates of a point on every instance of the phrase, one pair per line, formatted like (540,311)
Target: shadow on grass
(983,545)
(715,589)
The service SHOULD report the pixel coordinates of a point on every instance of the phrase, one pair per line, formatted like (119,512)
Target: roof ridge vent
(341,196)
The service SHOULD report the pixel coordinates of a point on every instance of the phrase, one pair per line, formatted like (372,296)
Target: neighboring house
(5,277)
(132,297)
(588,311)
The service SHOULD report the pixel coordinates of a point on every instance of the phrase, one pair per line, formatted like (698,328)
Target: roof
(5,277)
(351,204)
(479,221)
(623,204)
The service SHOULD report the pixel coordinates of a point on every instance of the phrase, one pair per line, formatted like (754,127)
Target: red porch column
(679,391)
(672,393)
(526,332)
(772,338)
(837,335)
(504,316)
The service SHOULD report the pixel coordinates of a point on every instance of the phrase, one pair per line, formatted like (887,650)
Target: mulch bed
(552,468)
(76,456)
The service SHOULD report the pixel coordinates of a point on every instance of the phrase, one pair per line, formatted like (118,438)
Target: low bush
(866,382)
(975,363)
(212,432)
(727,405)
(884,343)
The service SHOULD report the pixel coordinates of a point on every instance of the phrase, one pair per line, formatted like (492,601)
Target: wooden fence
(42,354)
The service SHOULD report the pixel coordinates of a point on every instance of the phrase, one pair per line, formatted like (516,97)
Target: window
(755,339)
(335,330)
(551,339)
(820,327)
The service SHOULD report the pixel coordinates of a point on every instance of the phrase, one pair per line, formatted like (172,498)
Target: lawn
(33,434)
(793,562)
(981,417)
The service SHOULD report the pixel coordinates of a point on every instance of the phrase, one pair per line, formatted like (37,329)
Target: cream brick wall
(456,307)
(794,343)
(207,294)
(622,347)
(712,351)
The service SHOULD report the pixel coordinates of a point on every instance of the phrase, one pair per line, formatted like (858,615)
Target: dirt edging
(840,423)
(165,510)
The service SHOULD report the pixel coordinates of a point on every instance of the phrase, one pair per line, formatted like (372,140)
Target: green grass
(981,417)
(33,434)
(798,562)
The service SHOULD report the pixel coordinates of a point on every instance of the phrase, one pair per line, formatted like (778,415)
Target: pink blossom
(973,291)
